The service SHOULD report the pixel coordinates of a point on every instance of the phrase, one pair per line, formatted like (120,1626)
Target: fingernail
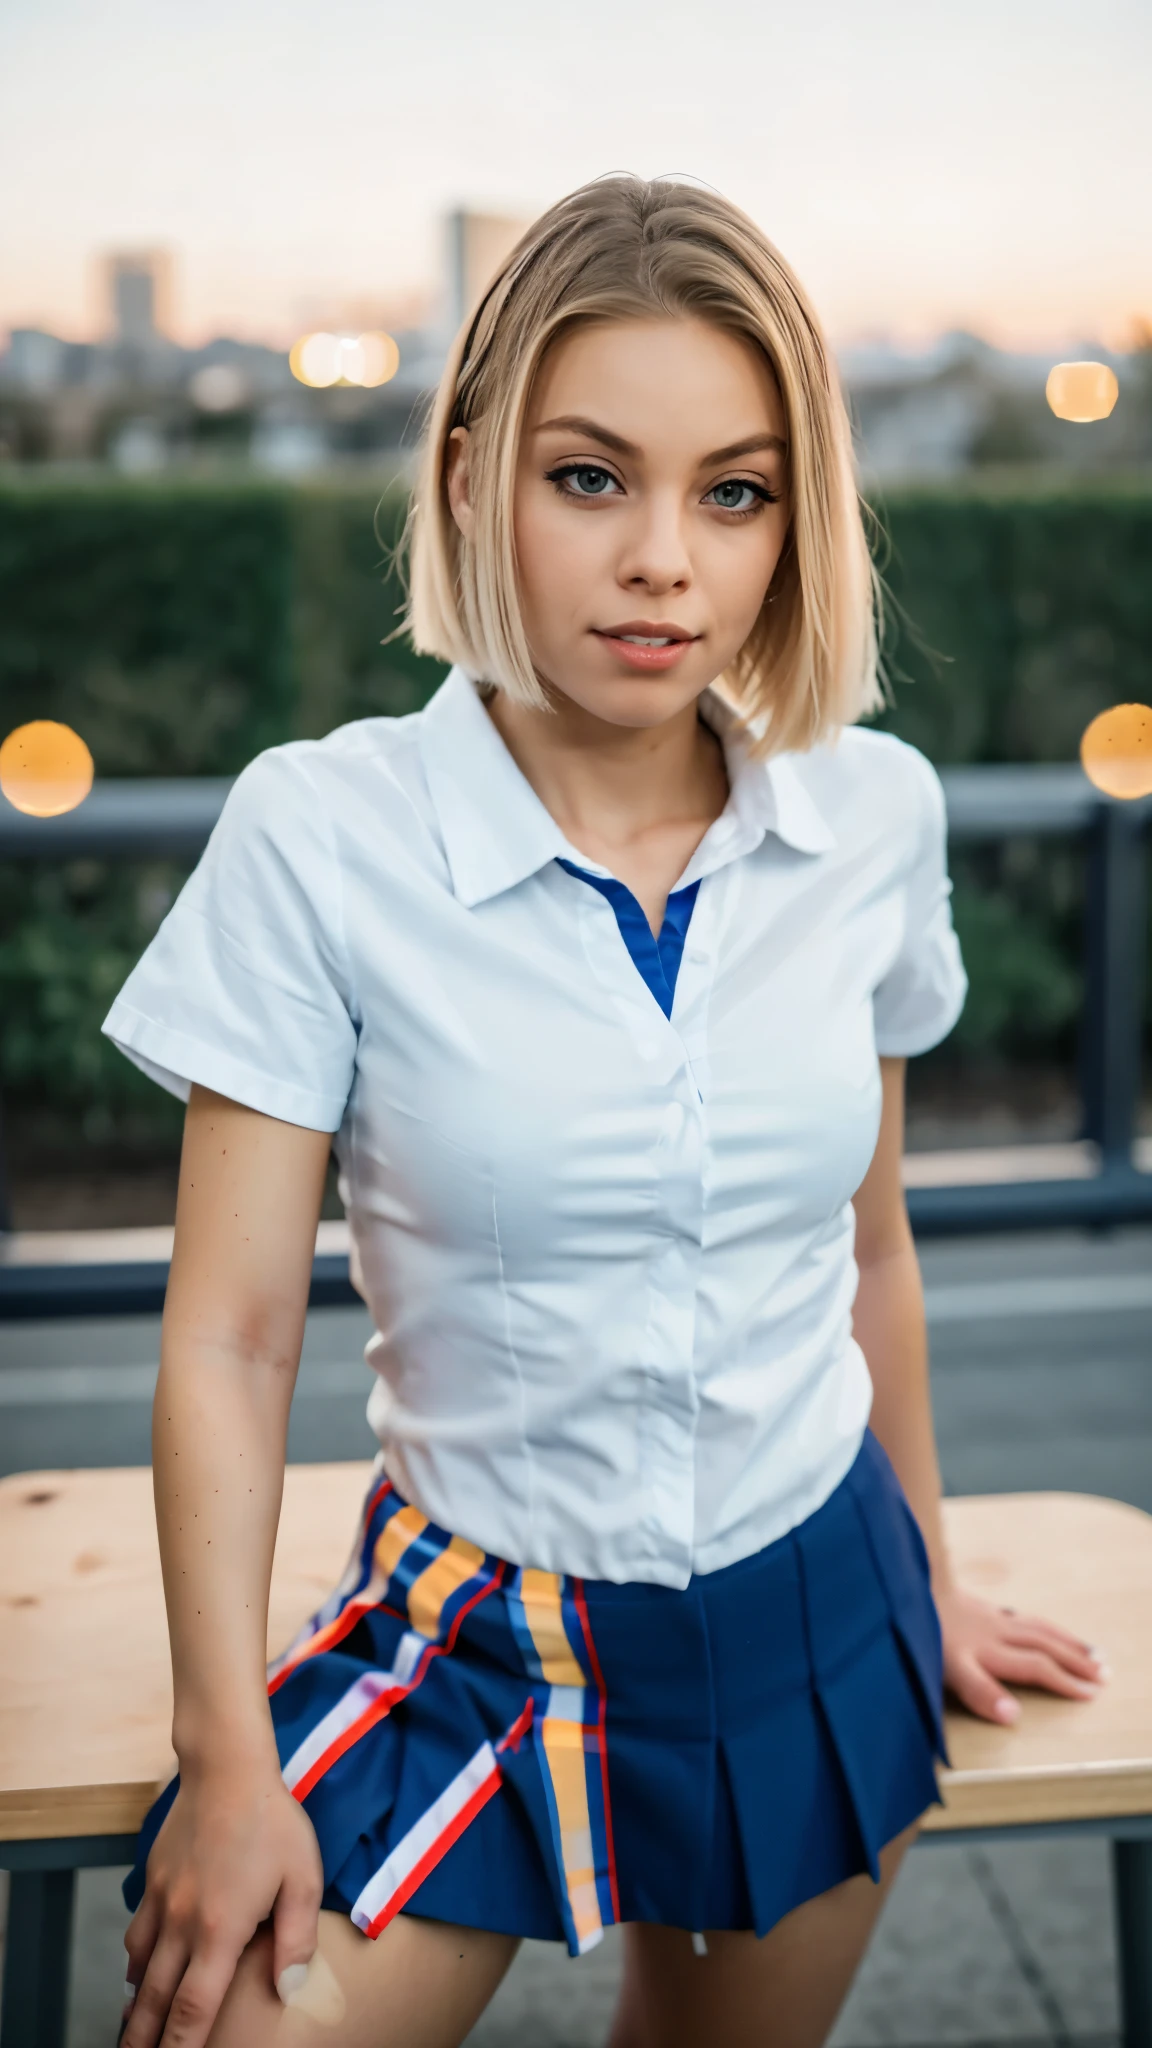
(1007,1710)
(126,2011)
(1104,1670)
(291,1980)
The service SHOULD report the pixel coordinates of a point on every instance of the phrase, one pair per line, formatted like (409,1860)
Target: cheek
(739,569)
(559,555)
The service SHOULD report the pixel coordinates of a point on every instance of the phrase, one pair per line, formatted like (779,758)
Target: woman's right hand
(235,1849)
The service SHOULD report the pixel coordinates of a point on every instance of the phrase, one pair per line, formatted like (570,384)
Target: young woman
(601,974)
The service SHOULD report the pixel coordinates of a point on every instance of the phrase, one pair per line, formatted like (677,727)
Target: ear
(456,479)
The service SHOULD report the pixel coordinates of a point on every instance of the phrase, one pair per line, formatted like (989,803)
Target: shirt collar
(496,831)
(765,796)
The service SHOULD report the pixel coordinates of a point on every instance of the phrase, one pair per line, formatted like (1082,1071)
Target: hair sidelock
(627,248)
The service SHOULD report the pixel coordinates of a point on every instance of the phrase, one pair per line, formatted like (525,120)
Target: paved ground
(1042,1371)
(1009,1945)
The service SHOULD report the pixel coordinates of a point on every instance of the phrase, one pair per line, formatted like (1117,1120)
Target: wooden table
(85,1694)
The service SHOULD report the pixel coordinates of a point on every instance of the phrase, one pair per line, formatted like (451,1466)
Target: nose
(655,554)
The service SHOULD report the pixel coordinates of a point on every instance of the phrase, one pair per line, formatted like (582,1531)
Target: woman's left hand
(984,1644)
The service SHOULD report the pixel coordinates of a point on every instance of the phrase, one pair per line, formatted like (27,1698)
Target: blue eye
(583,480)
(737,495)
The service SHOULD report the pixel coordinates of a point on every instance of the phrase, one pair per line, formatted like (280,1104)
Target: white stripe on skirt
(382,1888)
(351,1705)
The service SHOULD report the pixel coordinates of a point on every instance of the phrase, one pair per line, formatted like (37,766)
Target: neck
(611,785)
(637,802)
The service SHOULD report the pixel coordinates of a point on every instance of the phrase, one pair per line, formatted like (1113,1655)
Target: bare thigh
(422,1984)
(782,1992)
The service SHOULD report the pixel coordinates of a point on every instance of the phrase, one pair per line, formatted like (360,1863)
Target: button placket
(671,1408)
(617,973)
(667,1420)
(693,997)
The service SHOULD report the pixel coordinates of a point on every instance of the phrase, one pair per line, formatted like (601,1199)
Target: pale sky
(923,165)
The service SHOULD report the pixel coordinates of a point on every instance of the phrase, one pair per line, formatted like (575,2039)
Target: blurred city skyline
(925,169)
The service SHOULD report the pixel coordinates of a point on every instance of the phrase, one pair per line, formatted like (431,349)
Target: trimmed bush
(1021,607)
(182,626)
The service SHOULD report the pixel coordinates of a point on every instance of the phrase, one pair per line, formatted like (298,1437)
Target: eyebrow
(574,423)
(754,445)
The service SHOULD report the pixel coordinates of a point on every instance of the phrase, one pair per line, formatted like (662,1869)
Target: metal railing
(172,819)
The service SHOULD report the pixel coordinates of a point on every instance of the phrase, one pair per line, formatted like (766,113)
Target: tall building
(136,291)
(477,245)
(34,360)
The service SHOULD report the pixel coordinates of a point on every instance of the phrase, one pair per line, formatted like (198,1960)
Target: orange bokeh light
(45,768)
(1116,751)
(1081,391)
(323,359)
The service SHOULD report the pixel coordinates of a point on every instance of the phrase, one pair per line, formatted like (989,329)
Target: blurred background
(235,241)
(213,214)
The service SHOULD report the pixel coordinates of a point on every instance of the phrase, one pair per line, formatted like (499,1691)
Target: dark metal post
(5,1198)
(37,1955)
(1115,940)
(1132,1881)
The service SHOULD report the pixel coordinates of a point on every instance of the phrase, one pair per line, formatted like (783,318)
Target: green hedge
(1019,609)
(1020,606)
(183,626)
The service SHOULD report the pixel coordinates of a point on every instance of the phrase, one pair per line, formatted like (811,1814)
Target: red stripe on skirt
(514,1736)
(341,1624)
(497,1579)
(434,1852)
(601,1739)
(385,1701)
(348,1737)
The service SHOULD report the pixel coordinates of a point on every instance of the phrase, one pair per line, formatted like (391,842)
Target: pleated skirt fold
(545,1756)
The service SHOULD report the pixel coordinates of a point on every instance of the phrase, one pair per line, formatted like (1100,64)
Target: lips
(645,632)
(647,644)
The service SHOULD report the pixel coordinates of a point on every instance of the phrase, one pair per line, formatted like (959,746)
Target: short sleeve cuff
(914,1039)
(177,1061)
(903,1038)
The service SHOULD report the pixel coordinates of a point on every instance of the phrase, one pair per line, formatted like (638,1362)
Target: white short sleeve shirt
(608,1253)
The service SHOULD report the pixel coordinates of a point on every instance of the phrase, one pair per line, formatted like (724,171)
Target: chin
(641,702)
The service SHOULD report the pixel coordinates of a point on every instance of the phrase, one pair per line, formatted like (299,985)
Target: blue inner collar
(658,959)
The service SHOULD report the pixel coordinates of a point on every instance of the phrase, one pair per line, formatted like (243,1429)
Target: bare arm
(235,1846)
(982,1644)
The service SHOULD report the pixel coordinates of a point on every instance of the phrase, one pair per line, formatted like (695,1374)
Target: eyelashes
(591,477)
(760,493)
(587,482)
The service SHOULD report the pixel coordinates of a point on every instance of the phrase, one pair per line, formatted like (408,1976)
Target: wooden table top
(85,1691)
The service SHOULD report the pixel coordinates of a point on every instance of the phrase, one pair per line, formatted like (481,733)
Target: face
(651,508)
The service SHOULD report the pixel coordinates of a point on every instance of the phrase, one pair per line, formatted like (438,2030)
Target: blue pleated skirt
(544,1756)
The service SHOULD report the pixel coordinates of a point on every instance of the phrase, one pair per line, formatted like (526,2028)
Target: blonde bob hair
(626,248)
